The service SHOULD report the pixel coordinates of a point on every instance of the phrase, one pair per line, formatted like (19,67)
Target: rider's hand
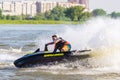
(46,44)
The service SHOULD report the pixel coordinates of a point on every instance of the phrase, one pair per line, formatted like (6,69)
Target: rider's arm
(54,42)
(56,48)
(46,49)
(49,43)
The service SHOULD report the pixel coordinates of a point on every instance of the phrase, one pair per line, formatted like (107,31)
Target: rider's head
(54,37)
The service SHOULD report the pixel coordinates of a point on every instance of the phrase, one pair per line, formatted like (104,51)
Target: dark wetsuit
(60,45)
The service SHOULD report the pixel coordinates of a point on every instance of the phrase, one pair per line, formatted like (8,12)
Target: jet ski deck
(43,57)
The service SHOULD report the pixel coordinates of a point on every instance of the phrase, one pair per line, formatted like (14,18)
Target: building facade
(33,7)
(73,1)
(44,6)
(85,2)
(18,8)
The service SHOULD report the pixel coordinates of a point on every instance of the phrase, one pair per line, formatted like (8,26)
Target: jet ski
(45,57)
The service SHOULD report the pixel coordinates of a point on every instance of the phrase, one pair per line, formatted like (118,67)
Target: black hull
(45,58)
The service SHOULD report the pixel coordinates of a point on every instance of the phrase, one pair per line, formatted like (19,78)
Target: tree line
(101,12)
(76,13)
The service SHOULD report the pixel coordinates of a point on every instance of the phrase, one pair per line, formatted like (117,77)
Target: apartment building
(18,8)
(44,6)
(85,2)
(33,7)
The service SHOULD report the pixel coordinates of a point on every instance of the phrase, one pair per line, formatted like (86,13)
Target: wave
(99,34)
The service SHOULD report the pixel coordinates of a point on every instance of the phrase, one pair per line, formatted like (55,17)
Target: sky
(107,5)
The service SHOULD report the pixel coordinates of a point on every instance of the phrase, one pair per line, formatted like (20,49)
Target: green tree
(77,13)
(40,16)
(85,16)
(0,14)
(22,17)
(57,13)
(69,12)
(115,14)
(3,17)
(8,17)
(47,14)
(99,12)
(15,18)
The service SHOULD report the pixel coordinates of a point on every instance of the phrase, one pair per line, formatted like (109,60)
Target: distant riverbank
(37,22)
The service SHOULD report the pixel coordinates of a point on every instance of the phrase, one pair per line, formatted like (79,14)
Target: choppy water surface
(97,34)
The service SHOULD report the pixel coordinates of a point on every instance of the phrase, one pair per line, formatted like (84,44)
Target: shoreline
(38,22)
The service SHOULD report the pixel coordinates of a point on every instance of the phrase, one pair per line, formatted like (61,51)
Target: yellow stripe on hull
(53,55)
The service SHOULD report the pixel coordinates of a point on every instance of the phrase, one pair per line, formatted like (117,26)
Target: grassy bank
(37,22)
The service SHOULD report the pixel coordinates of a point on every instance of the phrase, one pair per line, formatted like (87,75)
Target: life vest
(61,44)
(59,40)
(66,47)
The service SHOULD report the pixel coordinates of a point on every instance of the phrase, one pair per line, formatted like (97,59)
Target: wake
(99,34)
(102,36)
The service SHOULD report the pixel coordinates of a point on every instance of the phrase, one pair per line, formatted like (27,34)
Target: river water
(103,63)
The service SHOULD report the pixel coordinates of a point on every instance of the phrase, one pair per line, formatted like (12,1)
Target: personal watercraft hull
(43,58)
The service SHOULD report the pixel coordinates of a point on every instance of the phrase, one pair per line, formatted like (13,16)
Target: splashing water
(102,36)
(9,55)
(99,34)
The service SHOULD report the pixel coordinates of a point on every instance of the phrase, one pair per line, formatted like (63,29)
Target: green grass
(37,22)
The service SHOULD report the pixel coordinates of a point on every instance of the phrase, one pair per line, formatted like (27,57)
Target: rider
(60,44)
